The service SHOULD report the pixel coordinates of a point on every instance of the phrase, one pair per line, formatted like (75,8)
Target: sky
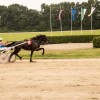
(35,4)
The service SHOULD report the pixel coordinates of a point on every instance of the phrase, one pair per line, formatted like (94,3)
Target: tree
(19,18)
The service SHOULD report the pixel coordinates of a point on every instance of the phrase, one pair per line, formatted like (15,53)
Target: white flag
(83,11)
(92,10)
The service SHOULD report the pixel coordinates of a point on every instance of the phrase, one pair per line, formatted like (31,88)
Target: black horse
(32,44)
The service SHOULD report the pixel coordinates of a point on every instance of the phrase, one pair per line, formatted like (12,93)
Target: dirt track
(68,79)
(68,46)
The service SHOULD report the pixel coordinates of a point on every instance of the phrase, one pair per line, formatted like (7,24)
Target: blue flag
(73,14)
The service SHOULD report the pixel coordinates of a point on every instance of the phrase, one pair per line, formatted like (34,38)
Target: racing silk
(2,46)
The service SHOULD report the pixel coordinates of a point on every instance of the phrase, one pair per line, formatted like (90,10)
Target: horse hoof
(32,61)
(42,53)
(20,58)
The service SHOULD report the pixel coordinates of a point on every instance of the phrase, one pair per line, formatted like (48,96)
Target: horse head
(42,39)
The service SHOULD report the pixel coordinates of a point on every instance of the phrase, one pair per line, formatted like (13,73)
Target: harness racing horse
(33,45)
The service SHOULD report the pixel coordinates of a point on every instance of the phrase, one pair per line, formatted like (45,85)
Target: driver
(2,44)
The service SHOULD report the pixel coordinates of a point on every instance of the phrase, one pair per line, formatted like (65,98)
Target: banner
(73,14)
(59,17)
(83,11)
(92,10)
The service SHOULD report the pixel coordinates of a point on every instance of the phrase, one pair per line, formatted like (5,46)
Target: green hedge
(96,42)
(72,39)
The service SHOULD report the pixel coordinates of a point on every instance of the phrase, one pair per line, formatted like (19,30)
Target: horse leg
(18,56)
(31,56)
(10,56)
(15,53)
(40,49)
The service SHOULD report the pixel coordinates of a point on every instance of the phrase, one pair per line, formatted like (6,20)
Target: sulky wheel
(4,57)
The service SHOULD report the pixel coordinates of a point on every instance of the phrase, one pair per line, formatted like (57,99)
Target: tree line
(17,17)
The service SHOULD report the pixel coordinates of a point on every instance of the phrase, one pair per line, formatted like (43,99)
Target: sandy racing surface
(68,46)
(67,79)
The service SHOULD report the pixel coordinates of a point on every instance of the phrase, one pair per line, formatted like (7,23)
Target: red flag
(59,17)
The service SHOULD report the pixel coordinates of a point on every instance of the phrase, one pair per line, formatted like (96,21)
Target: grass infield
(56,54)
(62,54)
(26,35)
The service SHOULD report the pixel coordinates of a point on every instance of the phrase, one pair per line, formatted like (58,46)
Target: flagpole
(81,20)
(0,20)
(91,20)
(50,21)
(71,21)
(60,23)
(92,10)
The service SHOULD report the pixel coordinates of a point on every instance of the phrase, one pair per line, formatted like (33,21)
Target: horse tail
(10,44)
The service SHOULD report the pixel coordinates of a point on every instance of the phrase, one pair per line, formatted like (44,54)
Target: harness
(29,42)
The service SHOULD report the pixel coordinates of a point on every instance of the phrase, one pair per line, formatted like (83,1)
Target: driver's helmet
(1,39)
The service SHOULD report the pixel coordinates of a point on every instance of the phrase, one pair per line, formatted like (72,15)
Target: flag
(92,10)
(73,14)
(59,17)
(50,21)
(83,11)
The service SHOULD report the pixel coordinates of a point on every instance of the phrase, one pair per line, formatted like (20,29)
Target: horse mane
(37,37)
